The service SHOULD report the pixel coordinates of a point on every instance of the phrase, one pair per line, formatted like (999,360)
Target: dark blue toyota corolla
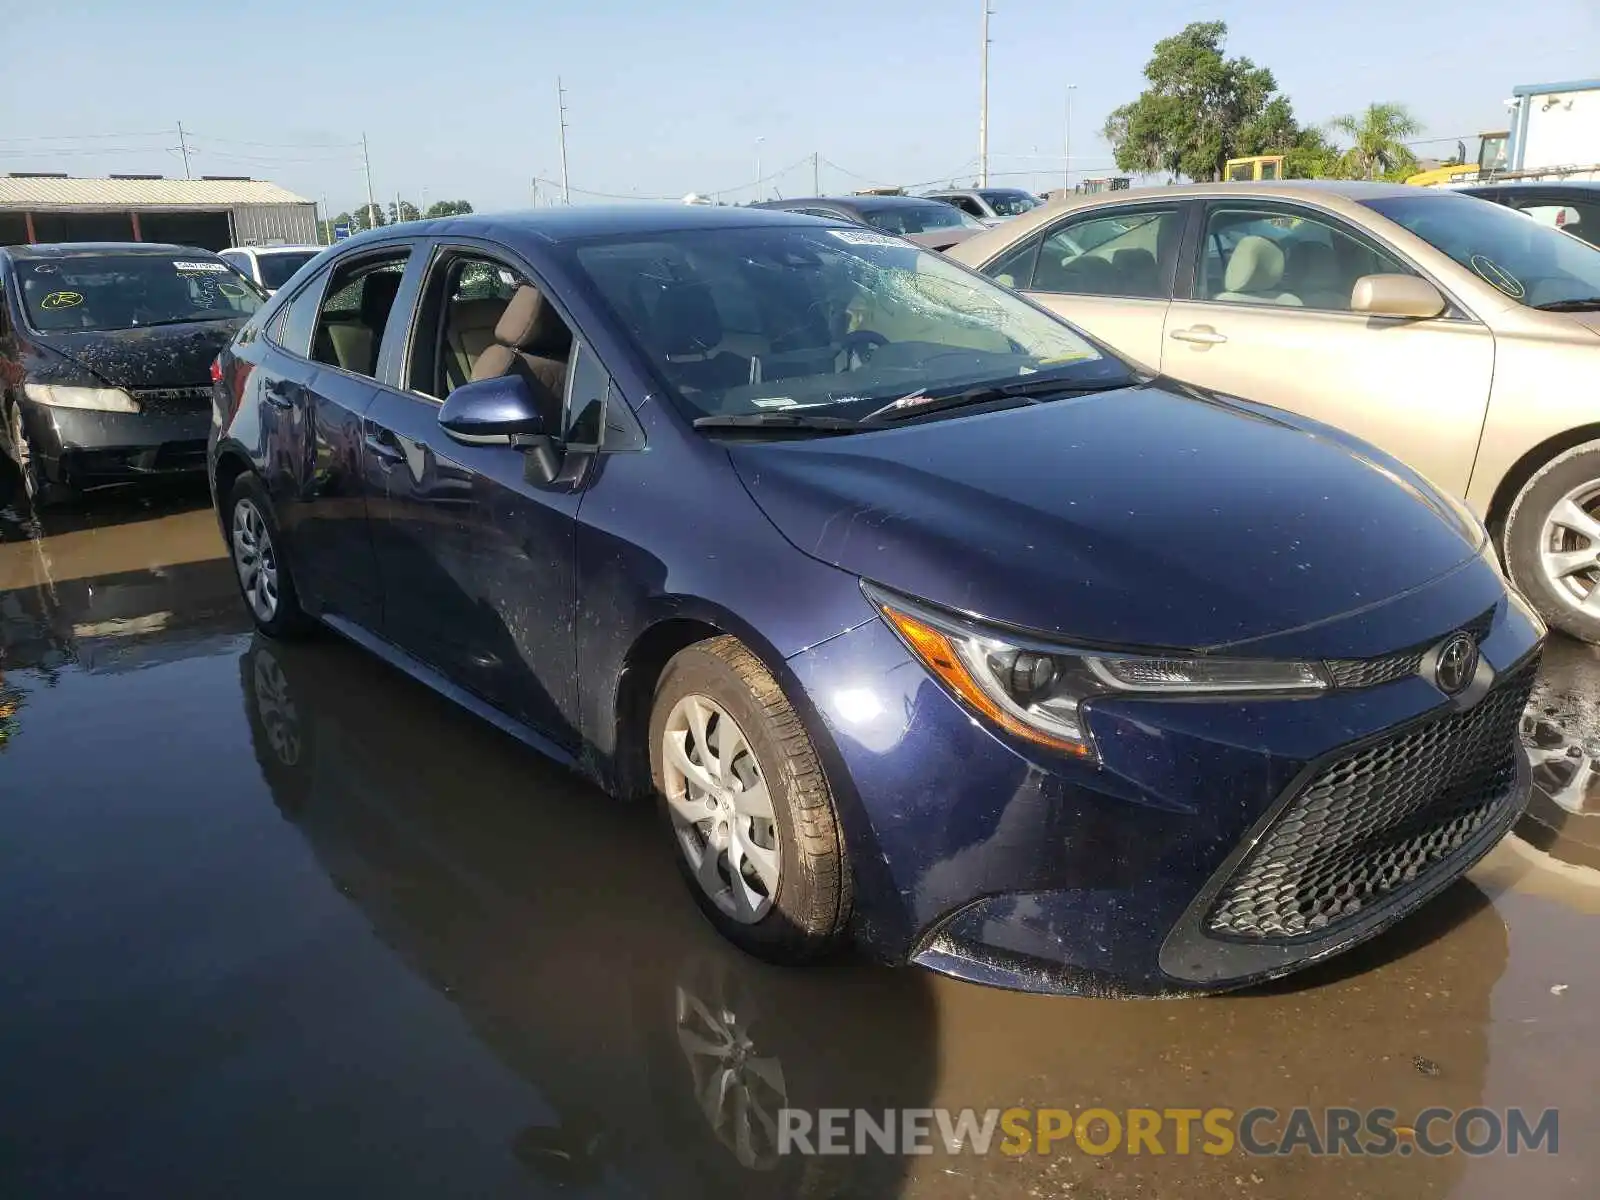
(929,622)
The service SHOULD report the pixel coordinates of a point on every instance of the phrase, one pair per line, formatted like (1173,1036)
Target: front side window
(1283,257)
(349,330)
(1124,253)
(476,292)
(1534,264)
(1010,202)
(130,291)
(746,321)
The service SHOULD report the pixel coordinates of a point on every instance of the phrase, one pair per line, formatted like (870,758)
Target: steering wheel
(858,347)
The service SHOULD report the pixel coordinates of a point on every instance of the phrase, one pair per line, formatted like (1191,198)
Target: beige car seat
(1255,274)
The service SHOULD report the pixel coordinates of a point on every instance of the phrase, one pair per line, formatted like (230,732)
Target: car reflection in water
(551,918)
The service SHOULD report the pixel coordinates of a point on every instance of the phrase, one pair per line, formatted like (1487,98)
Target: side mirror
(1396,296)
(492,412)
(502,412)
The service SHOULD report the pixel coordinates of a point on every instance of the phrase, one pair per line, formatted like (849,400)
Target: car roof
(51,250)
(588,221)
(294,249)
(861,203)
(1533,185)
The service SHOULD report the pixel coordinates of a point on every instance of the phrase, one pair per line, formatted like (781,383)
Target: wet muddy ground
(279,922)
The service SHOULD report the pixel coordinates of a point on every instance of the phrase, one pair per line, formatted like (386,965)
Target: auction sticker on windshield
(200,266)
(863,237)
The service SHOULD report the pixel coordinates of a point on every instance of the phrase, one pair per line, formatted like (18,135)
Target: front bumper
(995,861)
(83,448)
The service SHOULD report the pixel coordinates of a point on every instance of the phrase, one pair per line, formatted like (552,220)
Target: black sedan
(105,354)
(1572,206)
(933,224)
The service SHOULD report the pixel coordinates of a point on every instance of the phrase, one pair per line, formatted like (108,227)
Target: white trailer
(1555,131)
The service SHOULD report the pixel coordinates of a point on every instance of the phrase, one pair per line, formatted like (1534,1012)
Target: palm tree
(1379,135)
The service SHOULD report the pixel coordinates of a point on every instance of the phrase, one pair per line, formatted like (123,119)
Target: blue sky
(459,98)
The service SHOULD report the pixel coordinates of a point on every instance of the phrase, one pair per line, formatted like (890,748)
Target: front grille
(173,401)
(1373,821)
(1370,672)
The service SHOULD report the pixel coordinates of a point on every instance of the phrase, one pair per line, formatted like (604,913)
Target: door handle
(387,452)
(273,393)
(1201,335)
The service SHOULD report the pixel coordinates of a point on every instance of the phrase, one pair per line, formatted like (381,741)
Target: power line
(85,137)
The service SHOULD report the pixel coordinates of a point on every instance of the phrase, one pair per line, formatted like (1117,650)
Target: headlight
(1036,691)
(96,398)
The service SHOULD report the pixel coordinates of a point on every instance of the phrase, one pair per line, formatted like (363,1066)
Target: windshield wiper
(778,420)
(913,405)
(1585,304)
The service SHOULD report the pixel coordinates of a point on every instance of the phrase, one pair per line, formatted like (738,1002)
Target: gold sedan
(1458,335)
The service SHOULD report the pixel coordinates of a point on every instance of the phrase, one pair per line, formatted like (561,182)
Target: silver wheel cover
(256,560)
(721,808)
(1569,549)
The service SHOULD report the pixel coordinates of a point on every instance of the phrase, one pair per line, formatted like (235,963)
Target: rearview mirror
(492,412)
(1396,296)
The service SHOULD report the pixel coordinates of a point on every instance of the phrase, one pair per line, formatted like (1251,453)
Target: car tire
(21,482)
(778,886)
(255,547)
(1558,513)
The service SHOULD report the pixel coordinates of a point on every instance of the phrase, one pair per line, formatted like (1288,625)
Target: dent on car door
(475,553)
(1108,271)
(311,405)
(1268,318)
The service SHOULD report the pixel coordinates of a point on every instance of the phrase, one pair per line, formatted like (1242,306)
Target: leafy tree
(1200,109)
(408,212)
(1312,156)
(1379,135)
(448,208)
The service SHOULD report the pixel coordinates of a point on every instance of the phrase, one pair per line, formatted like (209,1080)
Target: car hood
(158,356)
(1154,515)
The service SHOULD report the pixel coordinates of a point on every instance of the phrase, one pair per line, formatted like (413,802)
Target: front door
(476,560)
(1108,271)
(1270,321)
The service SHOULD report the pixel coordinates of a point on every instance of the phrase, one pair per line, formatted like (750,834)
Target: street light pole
(759,140)
(1071,87)
(983,107)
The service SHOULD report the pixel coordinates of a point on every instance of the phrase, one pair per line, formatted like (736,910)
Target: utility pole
(561,110)
(759,140)
(1071,87)
(816,175)
(183,148)
(983,108)
(372,203)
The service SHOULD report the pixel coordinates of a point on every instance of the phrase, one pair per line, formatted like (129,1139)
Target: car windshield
(746,321)
(277,266)
(918,218)
(126,291)
(1532,263)
(1011,202)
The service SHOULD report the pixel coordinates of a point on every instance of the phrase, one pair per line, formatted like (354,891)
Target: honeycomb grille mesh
(1370,672)
(174,401)
(1377,819)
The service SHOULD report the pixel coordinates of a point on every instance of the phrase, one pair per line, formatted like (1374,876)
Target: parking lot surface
(280,922)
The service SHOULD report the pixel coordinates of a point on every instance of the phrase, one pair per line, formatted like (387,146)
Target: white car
(270,266)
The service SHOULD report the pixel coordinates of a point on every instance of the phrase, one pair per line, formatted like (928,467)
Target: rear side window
(1121,253)
(292,329)
(349,328)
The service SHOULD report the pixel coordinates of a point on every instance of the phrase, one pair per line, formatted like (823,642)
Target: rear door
(314,392)
(1107,270)
(1265,314)
(476,560)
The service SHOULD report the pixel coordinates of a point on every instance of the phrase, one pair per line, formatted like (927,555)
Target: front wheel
(747,804)
(1551,543)
(256,548)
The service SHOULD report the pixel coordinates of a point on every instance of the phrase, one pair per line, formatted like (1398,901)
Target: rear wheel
(747,804)
(1552,541)
(255,546)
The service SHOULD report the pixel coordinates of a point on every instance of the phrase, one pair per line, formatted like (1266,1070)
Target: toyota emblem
(1455,664)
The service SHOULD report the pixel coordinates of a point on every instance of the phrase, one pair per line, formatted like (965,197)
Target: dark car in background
(1573,206)
(105,359)
(990,206)
(930,223)
(927,621)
